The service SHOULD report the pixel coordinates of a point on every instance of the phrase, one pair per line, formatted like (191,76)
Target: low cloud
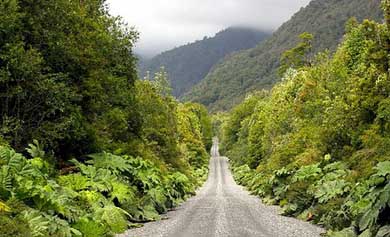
(164,24)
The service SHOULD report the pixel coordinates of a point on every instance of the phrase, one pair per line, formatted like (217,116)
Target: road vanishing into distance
(222,208)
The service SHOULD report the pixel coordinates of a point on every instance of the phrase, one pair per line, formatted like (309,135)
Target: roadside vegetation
(318,143)
(245,71)
(87,149)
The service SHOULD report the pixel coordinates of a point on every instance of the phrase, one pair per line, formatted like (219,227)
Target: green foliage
(36,222)
(195,133)
(228,82)
(35,150)
(297,57)
(114,217)
(100,196)
(112,150)
(63,69)
(90,228)
(318,143)
(305,173)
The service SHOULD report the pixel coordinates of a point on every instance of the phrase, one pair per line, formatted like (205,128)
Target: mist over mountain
(163,25)
(187,65)
(256,68)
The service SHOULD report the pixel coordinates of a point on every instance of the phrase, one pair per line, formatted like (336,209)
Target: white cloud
(164,24)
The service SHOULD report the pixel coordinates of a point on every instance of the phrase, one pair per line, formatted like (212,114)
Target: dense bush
(318,143)
(105,151)
(98,198)
(240,73)
(103,193)
(66,68)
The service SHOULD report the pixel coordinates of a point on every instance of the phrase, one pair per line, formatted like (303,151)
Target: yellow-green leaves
(318,144)
(4,207)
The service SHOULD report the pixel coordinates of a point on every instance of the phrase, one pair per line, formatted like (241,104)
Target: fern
(35,150)
(60,228)
(114,217)
(103,180)
(384,231)
(370,198)
(383,169)
(90,228)
(380,198)
(347,232)
(92,198)
(328,190)
(158,198)
(99,179)
(17,164)
(62,201)
(5,181)
(14,160)
(122,192)
(332,184)
(75,181)
(307,172)
(180,183)
(149,213)
(38,225)
(116,164)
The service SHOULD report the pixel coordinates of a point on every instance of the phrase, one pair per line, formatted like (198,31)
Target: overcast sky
(164,24)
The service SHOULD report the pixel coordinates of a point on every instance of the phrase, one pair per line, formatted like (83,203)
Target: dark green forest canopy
(189,64)
(65,66)
(87,149)
(240,73)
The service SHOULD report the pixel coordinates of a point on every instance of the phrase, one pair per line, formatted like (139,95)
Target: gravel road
(222,208)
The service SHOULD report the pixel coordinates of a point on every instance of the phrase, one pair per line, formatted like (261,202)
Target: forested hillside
(242,72)
(317,144)
(189,64)
(87,149)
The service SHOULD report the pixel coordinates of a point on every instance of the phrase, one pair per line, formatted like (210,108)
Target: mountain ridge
(187,65)
(253,69)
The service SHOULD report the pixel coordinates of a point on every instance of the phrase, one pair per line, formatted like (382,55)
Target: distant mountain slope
(188,64)
(256,68)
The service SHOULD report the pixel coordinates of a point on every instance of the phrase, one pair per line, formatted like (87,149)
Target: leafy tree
(297,57)
(317,144)
(238,74)
(63,65)
(106,150)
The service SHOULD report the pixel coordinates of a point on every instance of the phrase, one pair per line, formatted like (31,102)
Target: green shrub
(318,143)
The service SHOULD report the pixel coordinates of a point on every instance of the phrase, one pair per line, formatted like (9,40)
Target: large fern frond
(114,163)
(38,225)
(114,217)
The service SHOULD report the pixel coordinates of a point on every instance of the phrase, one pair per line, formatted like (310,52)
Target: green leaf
(384,231)
(4,207)
(347,232)
(90,228)
(368,219)
(114,217)
(307,172)
(35,150)
(37,223)
(383,168)
(123,192)
(366,233)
